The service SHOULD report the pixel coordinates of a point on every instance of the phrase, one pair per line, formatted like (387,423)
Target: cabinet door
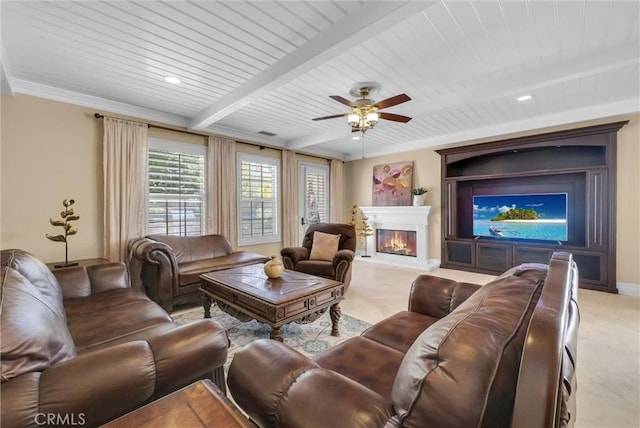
(460,253)
(493,257)
(531,255)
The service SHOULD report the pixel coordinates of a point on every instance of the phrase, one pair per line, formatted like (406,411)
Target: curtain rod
(261,146)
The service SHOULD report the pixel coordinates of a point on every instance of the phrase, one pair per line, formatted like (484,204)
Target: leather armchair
(297,258)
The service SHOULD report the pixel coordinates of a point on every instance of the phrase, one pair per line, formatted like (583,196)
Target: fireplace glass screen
(399,242)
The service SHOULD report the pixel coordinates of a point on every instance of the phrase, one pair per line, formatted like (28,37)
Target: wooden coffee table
(200,404)
(247,293)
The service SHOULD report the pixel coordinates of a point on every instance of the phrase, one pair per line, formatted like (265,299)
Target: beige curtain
(289,199)
(221,184)
(336,214)
(124,166)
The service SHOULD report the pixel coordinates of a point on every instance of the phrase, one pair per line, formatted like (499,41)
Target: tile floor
(608,371)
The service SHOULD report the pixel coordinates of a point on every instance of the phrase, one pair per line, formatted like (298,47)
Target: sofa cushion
(471,356)
(34,334)
(112,315)
(400,330)
(365,361)
(192,248)
(316,267)
(325,246)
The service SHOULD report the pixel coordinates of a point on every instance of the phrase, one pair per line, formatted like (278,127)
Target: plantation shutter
(258,201)
(176,190)
(317,197)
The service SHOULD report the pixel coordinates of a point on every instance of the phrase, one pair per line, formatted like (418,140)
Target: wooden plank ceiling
(252,66)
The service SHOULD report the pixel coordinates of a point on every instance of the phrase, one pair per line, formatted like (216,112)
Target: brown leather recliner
(168,268)
(297,258)
(462,355)
(81,347)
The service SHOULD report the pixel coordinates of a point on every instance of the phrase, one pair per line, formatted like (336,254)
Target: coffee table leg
(276,334)
(335,313)
(206,305)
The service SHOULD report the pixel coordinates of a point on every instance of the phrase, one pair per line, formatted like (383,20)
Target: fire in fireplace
(398,242)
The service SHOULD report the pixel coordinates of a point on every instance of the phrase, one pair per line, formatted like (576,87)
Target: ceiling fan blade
(329,117)
(342,100)
(393,101)
(394,117)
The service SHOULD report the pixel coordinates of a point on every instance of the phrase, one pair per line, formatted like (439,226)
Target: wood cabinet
(579,163)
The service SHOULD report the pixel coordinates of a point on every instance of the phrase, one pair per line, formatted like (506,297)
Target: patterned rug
(308,339)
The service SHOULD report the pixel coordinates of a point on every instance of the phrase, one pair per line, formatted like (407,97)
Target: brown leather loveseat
(82,347)
(168,268)
(462,355)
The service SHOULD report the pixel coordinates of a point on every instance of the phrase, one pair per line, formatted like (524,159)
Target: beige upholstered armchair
(327,250)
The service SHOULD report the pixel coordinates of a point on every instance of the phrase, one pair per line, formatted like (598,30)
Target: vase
(418,200)
(274,268)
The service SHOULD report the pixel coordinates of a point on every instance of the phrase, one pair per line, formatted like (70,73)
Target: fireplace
(398,242)
(400,236)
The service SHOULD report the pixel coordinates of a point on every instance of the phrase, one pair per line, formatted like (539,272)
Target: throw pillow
(325,246)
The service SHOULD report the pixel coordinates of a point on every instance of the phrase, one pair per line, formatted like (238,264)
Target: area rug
(309,339)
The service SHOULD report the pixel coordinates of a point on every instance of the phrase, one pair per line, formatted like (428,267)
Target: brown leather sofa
(462,355)
(82,348)
(168,268)
(298,258)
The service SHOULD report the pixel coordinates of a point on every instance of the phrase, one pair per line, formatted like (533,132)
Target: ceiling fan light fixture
(372,118)
(353,119)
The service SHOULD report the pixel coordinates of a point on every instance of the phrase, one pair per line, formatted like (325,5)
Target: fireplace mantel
(411,218)
(411,215)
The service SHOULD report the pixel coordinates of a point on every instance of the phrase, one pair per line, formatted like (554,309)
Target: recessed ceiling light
(525,97)
(355,137)
(172,79)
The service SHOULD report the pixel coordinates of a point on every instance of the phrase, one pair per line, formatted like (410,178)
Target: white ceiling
(251,66)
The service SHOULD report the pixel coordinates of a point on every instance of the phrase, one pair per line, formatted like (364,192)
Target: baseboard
(627,289)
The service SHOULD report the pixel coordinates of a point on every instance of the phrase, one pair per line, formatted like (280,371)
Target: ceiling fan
(365,113)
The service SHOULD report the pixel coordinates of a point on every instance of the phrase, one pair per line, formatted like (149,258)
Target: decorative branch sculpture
(67,216)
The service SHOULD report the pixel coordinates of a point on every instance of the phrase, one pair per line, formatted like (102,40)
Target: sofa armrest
(292,255)
(343,255)
(85,281)
(99,386)
(157,269)
(276,385)
(437,297)
(188,353)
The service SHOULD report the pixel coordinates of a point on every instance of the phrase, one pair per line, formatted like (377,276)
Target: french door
(313,200)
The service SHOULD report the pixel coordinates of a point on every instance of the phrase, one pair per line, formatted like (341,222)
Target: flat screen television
(535,216)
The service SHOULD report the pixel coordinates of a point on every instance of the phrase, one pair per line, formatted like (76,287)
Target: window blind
(176,192)
(258,203)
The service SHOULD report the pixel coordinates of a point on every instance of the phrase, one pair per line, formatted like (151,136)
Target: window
(176,188)
(258,203)
(314,193)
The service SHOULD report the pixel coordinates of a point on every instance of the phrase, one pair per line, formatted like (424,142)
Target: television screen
(525,216)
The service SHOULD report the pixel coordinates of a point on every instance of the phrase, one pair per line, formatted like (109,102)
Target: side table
(200,404)
(82,262)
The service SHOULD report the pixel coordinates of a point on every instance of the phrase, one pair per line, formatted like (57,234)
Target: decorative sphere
(273,268)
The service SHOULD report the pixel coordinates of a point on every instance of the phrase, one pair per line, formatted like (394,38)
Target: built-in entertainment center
(518,200)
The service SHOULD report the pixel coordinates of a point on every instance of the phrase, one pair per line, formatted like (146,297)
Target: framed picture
(392,184)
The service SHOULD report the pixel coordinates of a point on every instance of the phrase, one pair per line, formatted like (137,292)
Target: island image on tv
(526,216)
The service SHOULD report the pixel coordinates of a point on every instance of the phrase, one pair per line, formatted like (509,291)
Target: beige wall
(427,174)
(51,151)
